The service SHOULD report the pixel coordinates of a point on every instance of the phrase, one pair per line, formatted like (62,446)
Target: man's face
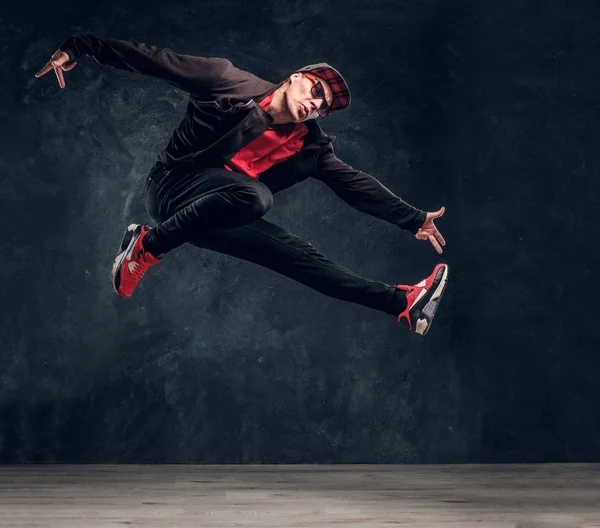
(301,103)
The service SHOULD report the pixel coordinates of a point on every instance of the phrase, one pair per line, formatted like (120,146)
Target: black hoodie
(223,115)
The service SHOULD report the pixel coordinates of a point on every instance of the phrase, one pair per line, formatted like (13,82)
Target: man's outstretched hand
(428,231)
(59,62)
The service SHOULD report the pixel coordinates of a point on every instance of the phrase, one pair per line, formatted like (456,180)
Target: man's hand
(428,231)
(59,62)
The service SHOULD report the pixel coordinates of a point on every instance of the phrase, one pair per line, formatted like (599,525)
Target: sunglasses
(318,92)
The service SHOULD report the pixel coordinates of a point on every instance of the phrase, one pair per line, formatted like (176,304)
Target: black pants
(220,210)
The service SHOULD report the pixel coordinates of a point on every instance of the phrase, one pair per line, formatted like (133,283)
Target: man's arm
(367,194)
(196,75)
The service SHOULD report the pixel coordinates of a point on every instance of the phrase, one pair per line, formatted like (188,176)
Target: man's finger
(59,76)
(45,69)
(439,213)
(58,58)
(68,66)
(440,238)
(435,244)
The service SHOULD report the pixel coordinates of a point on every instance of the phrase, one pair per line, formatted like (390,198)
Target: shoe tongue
(148,258)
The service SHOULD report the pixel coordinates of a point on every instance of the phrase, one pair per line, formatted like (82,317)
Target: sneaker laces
(139,268)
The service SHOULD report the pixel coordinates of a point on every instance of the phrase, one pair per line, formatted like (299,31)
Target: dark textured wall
(489,108)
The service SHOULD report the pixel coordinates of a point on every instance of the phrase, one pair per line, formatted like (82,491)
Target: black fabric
(222,211)
(201,201)
(223,116)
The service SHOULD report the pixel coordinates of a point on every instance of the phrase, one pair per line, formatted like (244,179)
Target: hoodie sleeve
(199,76)
(367,194)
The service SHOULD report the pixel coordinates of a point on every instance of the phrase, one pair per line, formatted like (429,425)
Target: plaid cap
(339,88)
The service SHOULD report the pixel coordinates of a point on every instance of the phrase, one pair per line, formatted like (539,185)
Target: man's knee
(261,201)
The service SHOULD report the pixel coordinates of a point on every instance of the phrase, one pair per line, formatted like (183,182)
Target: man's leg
(271,246)
(222,211)
(268,245)
(201,201)
(186,202)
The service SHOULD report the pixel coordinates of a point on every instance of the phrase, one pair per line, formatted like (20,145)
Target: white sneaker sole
(428,311)
(131,236)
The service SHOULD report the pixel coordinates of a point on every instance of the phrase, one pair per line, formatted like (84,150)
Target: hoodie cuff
(414,225)
(68,46)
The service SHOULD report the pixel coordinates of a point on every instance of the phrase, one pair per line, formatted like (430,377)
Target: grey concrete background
(487,108)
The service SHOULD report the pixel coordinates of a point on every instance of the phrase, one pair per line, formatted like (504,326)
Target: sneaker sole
(129,239)
(428,311)
(127,236)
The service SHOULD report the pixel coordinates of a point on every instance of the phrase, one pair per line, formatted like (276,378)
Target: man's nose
(315,103)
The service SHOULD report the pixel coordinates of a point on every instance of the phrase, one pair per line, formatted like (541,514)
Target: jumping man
(242,140)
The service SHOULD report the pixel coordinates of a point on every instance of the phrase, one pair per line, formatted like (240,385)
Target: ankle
(399,300)
(149,244)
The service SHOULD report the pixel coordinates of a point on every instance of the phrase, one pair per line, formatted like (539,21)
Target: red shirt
(275,145)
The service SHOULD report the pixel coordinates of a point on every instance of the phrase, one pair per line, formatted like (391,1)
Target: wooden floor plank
(181,496)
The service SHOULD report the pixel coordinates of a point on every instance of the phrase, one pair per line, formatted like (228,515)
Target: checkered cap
(341,92)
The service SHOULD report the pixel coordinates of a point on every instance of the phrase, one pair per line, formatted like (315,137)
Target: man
(242,140)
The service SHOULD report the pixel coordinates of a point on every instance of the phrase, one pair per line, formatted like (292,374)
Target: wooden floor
(524,496)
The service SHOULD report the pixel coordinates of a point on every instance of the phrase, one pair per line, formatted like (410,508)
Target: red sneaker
(132,262)
(423,299)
